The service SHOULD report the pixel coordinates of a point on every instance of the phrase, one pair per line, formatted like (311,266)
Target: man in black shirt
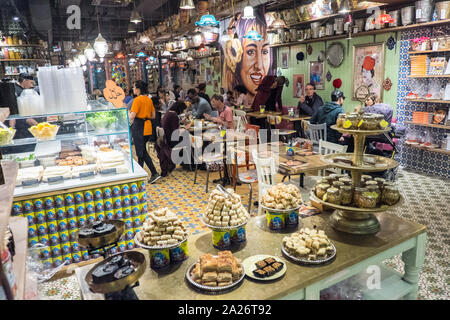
(310,103)
(202,92)
(25,82)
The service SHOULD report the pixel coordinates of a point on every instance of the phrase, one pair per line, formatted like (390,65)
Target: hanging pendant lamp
(187,4)
(208,20)
(253,35)
(82,59)
(248,12)
(131,28)
(89,52)
(135,16)
(100,46)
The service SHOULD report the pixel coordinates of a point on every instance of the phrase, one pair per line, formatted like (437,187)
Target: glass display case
(67,150)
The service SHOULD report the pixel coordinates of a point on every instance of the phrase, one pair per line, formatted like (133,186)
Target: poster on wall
(216,86)
(208,77)
(316,75)
(368,62)
(284,60)
(299,85)
(247,61)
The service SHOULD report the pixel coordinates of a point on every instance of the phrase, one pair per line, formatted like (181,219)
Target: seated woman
(241,97)
(169,123)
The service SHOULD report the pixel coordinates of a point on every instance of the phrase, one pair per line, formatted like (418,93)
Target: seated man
(225,113)
(310,103)
(328,114)
(199,105)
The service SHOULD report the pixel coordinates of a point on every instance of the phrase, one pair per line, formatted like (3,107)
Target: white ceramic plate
(249,267)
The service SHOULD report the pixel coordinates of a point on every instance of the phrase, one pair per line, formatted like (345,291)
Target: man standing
(311,103)
(202,92)
(328,114)
(225,113)
(200,106)
(25,82)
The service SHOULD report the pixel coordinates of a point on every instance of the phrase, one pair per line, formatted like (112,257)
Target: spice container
(366,177)
(322,180)
(346,195)
(332,196)
(368,200)
(330,180)
(390,195)
(378,119)
(380,182)
(347,181)
(370,122)
(353,120)
(375,189)
(338,184)
(321,189)
(340,120)
(339,25)
(357,195)
(371,183)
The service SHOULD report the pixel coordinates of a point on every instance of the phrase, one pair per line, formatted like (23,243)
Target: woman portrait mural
(247,62)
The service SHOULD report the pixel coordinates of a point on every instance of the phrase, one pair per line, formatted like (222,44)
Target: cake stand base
(354,222)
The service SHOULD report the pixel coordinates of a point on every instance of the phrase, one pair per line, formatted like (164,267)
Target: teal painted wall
(344,71)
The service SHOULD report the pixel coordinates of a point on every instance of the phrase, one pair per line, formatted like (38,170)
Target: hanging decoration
(387,84)
(248,12)
(337,83)
(135,16)
(141,55)
(208,20)
(100,46)
(390,43)
(253,35)
(187,5)
(329,76)
(89,52)
(309,49)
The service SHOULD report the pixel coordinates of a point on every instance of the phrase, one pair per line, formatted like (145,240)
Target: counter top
(351,249)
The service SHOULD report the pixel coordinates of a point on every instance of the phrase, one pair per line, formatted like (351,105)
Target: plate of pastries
(216,273)
(264,267)
(309,246)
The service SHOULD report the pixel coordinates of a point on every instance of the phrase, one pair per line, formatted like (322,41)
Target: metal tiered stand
(352,219)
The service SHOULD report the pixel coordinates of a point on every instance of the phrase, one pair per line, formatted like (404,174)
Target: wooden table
(298,122)
(313,163)
(355,254)
(259,115)
(203,128)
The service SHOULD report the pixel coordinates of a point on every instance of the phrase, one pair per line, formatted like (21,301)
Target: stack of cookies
(162,228)
(217,272)
(225,210)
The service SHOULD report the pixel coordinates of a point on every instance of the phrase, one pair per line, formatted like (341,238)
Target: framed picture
(316,75)
(368,68)
(439,116)
(216,86)
(284,60)
(208,77)
(299,85)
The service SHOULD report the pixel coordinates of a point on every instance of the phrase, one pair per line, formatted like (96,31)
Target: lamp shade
(253,35)
(100,46)
(131,28)
(187,4)
(248,13)
(82,59)
(345,6)
(208,20)
(135,17)
(89,52)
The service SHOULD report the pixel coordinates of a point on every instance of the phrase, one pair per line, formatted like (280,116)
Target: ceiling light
(16,18)
(345,7)
(131,28)
(100,46)
(208,20)
(248,12)
(82,59)
(89,52)
(187,4)
(135,16)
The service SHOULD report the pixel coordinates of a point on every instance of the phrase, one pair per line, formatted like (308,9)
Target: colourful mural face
(247,61)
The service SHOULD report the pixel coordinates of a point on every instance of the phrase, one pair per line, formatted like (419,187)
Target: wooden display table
(354,255)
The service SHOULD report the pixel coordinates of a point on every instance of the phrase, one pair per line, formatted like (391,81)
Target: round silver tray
(281,210)
(158,247)
(223,228)
(212,289)
(310,262)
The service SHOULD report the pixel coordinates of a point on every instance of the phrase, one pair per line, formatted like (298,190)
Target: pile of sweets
(225,210)
(282,197)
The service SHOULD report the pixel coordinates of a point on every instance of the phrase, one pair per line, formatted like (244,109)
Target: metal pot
(407,15)
(294,35)
(322,31)
(443,10)
(396,16)
(424,10)
(359,24)
(315,26)
(329,29)
(307,34)
(339,25)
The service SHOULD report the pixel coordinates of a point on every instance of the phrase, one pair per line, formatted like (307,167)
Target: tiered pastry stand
(351,219)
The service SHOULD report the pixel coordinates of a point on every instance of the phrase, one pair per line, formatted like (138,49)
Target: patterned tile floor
(427,202)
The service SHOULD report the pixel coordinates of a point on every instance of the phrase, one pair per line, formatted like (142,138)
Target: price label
(108,171)
(114,94)
(29,182)
(55,179)
(86,174)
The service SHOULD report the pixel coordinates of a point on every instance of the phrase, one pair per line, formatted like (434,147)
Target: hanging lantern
(141,55)
(82,59)
(187,4)
(89,52)
(253,35)
(131,28)
(100,46)
(208,20)
(135,16)
(248,13)
(345,7)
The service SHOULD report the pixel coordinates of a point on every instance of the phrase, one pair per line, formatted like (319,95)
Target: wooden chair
(266,173)
(317,132)
(326,147)
(213,162)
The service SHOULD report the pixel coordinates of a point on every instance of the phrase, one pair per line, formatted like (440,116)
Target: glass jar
(340,120)
(390,195)
(378,119)
(321,189)
(15,40)
(346,195)
(338,184)
(380,182)
(370,122)
(346,181)
(322,180)
(368,200)
(332,196)
(371,183)
(376,190)
(330,180)
(354,120)
(366,177)
(357,195)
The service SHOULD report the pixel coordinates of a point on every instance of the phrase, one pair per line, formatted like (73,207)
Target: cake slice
(209,276)
(224,277)
(259,273)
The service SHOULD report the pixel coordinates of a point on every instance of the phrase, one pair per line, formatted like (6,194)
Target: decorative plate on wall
(335,54)
(309,50)
(387,84)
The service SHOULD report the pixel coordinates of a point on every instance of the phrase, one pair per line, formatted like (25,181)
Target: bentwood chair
(266,173)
